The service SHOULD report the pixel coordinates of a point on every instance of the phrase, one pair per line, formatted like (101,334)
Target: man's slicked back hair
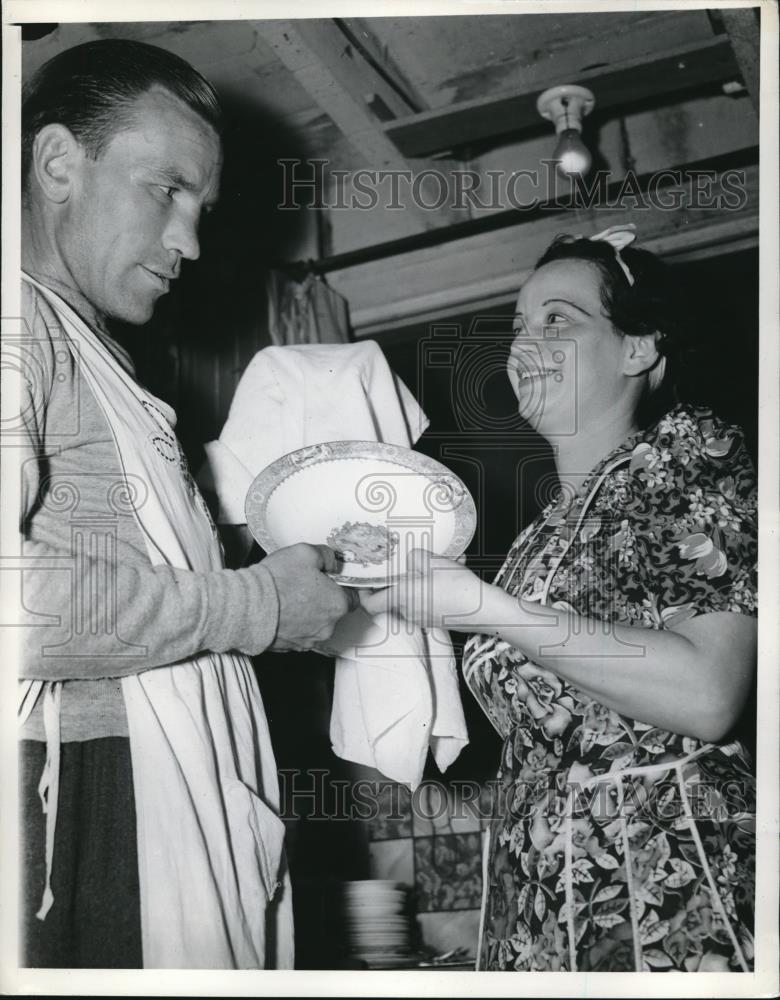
(90,89)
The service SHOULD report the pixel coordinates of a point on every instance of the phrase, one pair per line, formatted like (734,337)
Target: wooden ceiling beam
(359,29)
(742,27)
(319,55)
(657,78)
(345,86)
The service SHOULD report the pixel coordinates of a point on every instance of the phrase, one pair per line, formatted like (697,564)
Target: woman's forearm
(691,679)
(666,678)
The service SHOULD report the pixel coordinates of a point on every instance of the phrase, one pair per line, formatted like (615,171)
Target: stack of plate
(377,922)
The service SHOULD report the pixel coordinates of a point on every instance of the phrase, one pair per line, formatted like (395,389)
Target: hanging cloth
(306,312)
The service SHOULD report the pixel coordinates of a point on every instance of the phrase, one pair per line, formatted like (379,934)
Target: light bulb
(571,153)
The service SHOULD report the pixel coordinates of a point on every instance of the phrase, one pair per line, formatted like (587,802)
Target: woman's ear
(57,158)
(640,353)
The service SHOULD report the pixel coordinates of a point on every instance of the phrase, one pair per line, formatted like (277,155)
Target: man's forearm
(112,619)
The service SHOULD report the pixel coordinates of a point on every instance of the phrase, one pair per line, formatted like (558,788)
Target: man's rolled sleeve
(243,610)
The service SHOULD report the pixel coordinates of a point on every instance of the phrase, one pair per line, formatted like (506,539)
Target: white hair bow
(619,237)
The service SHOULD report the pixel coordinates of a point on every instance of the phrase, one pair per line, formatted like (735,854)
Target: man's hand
(310,604)
(435,593)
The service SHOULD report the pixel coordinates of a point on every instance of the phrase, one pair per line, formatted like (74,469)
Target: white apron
(215,893)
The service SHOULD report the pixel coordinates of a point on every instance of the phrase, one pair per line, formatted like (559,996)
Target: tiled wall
(432,843)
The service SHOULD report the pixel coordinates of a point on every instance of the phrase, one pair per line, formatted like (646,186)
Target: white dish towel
(396,687)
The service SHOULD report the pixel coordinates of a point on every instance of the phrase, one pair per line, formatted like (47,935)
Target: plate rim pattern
(277,472)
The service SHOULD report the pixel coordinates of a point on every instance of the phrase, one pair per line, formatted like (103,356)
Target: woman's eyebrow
(520,315)
(568,303)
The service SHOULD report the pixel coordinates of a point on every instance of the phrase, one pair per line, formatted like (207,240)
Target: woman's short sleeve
(692,522)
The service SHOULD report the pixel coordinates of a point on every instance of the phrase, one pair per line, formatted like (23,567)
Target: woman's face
(566,364)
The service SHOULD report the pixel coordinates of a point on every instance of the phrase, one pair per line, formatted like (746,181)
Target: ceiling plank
(342,83)
(743,30)
(463,57)
(473,121)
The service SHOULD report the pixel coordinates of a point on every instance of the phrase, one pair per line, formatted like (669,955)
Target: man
(158,843)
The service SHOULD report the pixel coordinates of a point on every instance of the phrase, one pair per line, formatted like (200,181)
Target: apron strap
(49,785)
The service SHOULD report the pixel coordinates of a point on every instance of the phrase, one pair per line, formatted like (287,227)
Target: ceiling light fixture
(566,106)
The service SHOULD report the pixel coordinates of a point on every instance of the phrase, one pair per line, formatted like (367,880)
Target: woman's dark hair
(90,89)
(652,304)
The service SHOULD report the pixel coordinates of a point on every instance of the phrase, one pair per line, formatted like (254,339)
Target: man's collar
(88,313)
(75,300)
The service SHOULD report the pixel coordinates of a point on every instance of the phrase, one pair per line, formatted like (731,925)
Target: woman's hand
(435,593)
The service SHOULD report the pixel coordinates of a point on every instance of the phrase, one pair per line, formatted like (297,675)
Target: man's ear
(640,353)
(56,160)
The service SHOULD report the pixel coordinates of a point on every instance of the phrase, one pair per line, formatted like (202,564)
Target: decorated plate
(373,503)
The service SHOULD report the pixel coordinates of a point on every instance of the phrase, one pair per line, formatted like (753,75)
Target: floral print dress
(619,846)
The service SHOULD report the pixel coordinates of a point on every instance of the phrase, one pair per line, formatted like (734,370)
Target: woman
(616,648)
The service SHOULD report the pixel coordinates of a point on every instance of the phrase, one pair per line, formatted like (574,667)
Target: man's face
(134,211)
